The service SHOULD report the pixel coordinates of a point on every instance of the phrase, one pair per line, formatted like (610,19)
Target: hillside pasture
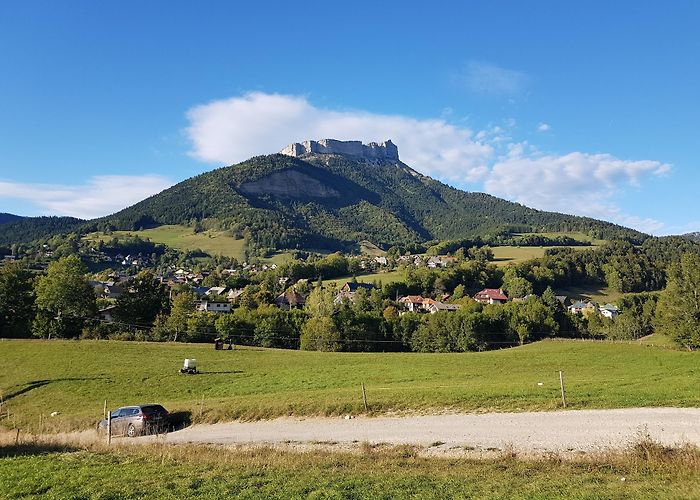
(382,278)
(184,238)
(74,378)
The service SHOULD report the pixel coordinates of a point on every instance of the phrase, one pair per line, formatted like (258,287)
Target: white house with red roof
(491,296)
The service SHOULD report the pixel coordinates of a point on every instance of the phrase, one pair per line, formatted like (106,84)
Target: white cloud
(543,127)
(232,130)
(576,183)
(98,196)
(484,78)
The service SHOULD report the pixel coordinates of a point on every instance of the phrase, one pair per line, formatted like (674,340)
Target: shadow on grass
(220,373)
(29,449)
(35,384)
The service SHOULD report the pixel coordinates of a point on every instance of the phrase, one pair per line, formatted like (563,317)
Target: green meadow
(74,378)
(184,238)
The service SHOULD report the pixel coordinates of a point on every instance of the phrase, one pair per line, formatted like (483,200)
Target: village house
(440,261)
(610,311)
(290,299)
(216,291)
(233,295)
(210,306)
(491,296)
(347,292)
(583,308)
(107,313)
(437,306)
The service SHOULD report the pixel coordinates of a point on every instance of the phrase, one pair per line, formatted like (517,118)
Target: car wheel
(131,431)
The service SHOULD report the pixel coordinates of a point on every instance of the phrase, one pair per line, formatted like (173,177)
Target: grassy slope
(187,472)
(183,238)
(74,378)
(382,277)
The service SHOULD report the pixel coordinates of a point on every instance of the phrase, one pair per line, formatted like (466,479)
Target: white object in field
(54,413)
(190,364)
(540,383)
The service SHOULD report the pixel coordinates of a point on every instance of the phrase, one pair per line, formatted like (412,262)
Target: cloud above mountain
(231,130)
(98,196)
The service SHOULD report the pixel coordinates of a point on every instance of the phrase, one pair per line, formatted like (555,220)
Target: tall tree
(142,299)
(64,299)
(16,300)
(678,310)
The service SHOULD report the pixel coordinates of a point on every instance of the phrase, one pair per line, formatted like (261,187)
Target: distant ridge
(330,195)
(5,218)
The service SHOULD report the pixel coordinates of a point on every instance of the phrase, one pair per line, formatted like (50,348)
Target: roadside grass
(74,378)
(184,238)
(646,470)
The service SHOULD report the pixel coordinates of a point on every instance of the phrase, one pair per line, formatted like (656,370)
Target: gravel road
(530,432)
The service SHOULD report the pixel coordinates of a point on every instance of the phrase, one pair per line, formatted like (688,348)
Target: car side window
(133,412)
(117,413)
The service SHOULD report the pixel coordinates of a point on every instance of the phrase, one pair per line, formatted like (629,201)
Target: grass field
(596,293)
(212,473)
(184,238)
(383,278)
(75,377)
(574,235)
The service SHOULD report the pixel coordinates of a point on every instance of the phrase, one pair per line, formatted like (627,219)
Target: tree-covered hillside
(5,218)
(26,229)
(332,201)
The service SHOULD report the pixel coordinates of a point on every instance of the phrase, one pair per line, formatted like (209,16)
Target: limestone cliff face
(386,150)
(289,184)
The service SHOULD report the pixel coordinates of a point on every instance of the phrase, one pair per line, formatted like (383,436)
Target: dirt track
(533,432)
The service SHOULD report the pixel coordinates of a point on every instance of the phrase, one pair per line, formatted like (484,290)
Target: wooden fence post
(364,395)
(17,438)
(104,410)
(563,391)
(109,428)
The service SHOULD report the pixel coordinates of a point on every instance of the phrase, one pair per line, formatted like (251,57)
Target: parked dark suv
(136,420)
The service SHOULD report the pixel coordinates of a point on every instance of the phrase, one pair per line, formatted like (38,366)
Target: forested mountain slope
(332,201)
(329,201)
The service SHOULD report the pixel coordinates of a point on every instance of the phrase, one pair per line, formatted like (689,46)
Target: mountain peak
(386,150)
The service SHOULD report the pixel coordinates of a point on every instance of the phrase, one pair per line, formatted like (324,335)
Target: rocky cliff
(386,150)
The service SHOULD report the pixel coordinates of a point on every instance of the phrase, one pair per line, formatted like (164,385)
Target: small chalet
(583,308)
(216,307)
(491,296)
(216,291)
(290,299)
(107,313)
(609,311)
(348,290)
(416,303)
(436,307)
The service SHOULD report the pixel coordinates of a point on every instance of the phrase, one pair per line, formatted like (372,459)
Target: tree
(16,300)
(678,309)
(64,299)
(320,302)
(182,308)
(142,300)
(320,334)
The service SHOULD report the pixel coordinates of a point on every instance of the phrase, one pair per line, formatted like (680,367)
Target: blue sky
(588,108)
